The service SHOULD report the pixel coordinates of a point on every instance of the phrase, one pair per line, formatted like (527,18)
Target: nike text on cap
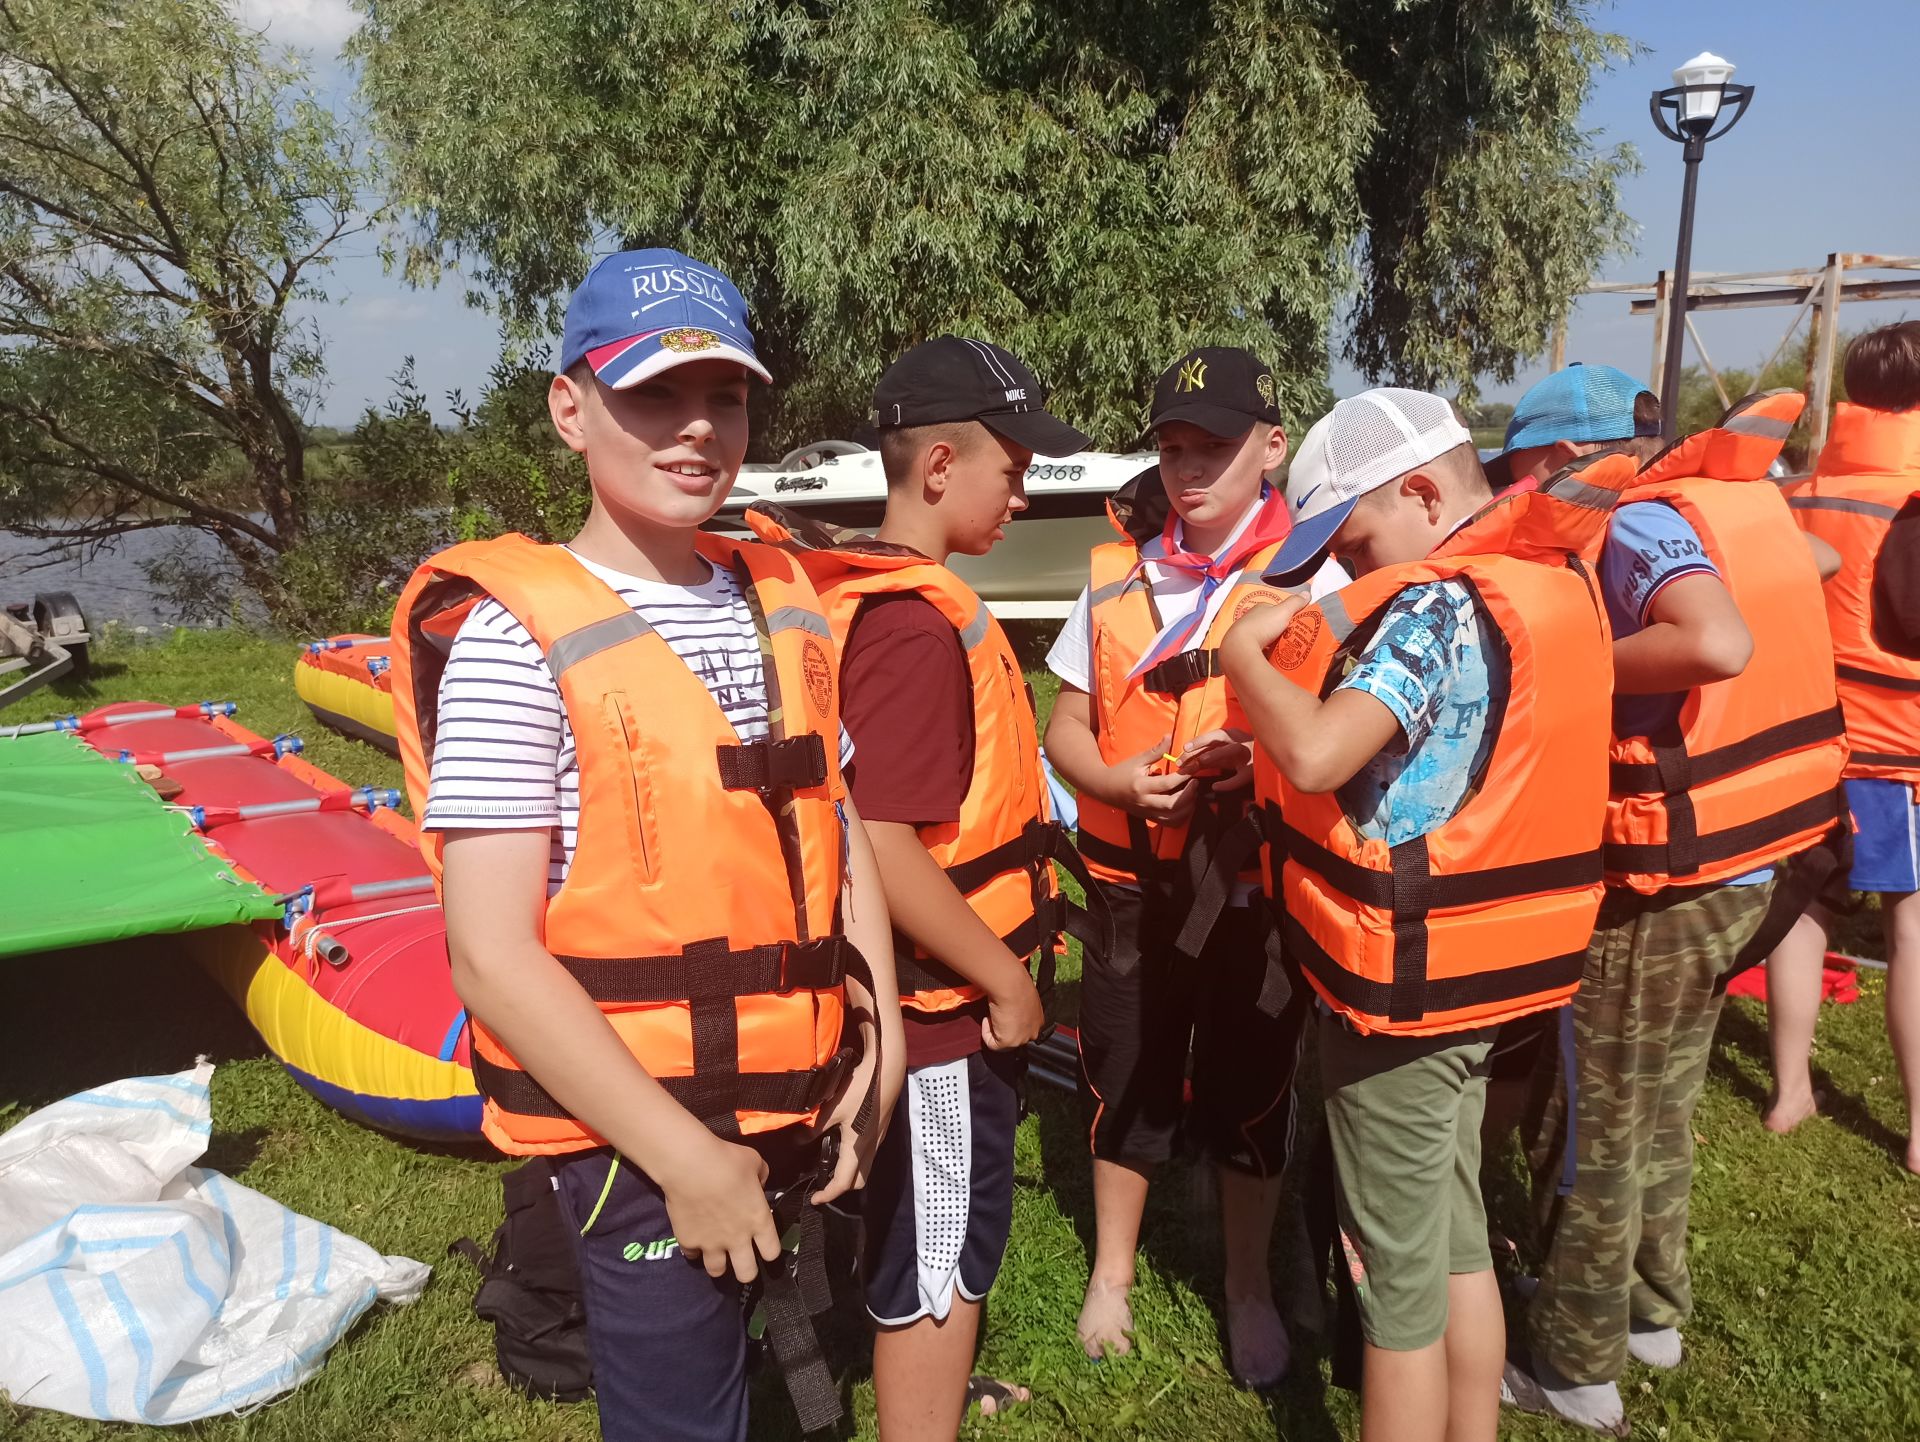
(1360,445)
(640,312)
(950,378)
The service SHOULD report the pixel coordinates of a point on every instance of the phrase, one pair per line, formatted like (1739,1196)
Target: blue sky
(1822,161)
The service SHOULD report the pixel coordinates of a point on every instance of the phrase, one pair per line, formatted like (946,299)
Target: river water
(108,580)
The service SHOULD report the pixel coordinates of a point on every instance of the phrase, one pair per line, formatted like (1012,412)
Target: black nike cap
(1221,389)
(950,378)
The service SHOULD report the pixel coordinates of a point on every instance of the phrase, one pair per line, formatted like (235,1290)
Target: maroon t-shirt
(907,704)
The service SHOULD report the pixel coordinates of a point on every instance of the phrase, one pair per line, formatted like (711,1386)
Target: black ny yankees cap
(1221,389)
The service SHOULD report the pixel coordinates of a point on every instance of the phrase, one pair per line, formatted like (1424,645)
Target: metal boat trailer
(40,641)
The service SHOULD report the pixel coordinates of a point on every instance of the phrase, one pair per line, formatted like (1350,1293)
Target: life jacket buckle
(793,763)
(817,965)
(1181,673)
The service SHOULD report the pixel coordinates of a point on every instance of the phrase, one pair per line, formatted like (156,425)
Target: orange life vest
(1750,774)
(1869,471)
(1487,917)
(700,909)
(997,855)
(1182,697)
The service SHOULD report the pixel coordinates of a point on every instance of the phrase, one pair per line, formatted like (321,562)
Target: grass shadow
(96,1014)
(1739,1031)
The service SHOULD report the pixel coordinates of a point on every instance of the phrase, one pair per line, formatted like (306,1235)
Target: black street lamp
(1687,113)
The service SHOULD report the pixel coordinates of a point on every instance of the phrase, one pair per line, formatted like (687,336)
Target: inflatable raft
(350,987)
(344,682)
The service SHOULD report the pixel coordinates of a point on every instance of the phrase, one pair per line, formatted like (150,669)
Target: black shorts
(938,1206)
(1143,1010)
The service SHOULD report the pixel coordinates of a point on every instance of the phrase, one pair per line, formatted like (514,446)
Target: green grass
(1808,1315)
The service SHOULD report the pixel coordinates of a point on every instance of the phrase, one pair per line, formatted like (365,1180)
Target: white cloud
(317,25)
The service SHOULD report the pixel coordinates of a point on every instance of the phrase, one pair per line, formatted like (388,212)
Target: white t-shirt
(1071,657)
(503,757)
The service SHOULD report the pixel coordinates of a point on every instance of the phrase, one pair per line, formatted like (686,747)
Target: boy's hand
(1261,627)
(717,1202)
(1224,755)
(856,1152)
(1144,786)
(1014,1016)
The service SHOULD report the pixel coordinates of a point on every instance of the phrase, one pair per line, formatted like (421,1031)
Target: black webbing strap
(1465,888)
(1091,924)
(710,1098)
(792,1293)
(1371,888)
(1179,674)
(1033,845)
(1638,778)
(1802,878)
(710,970)
(1653,857)
(1375,998)
(1877,678)
(1412,876)
(1039,843)
(1884,758)
(795,763)
(1231,848)
(1236,845)
(1102,852)
(923,973)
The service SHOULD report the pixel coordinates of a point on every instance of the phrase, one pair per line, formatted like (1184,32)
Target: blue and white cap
(640,312)
(1361,444)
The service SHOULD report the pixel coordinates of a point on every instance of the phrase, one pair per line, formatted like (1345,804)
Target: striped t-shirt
(503,757)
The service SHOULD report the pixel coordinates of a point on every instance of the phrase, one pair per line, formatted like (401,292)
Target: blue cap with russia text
(640,312)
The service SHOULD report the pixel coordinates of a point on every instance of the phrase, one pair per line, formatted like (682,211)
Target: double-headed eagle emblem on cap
(1264,384)
(688,339)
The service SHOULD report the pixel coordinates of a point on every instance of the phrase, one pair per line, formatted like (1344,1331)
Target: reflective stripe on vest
(698,912)
(997,853)
(1750,773)
(1869,472)
(1182,697)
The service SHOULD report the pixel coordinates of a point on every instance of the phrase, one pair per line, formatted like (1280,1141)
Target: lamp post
(1691,113)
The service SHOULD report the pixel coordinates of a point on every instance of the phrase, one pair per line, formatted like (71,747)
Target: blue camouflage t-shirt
(1427,664)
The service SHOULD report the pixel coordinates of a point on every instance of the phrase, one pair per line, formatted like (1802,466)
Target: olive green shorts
(1404,1115)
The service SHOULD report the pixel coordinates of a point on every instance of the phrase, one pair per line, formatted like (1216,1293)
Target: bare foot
(1786,1113)
(1913,1153)
(992,1396)
(1105,1321)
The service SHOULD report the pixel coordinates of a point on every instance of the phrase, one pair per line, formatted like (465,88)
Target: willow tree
(1096,185)
(169,195)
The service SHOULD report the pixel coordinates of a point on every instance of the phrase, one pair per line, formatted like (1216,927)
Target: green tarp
(89,852)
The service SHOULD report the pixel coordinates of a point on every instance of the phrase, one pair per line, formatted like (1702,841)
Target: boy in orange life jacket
(635,792)
(1706,586)
(1142,730)
(1407,738)
(1865,499)
(949,780)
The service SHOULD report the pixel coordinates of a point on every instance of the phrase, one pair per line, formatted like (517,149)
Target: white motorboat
(1034,574)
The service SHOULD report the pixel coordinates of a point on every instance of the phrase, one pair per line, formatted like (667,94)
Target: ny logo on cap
(1193,375)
